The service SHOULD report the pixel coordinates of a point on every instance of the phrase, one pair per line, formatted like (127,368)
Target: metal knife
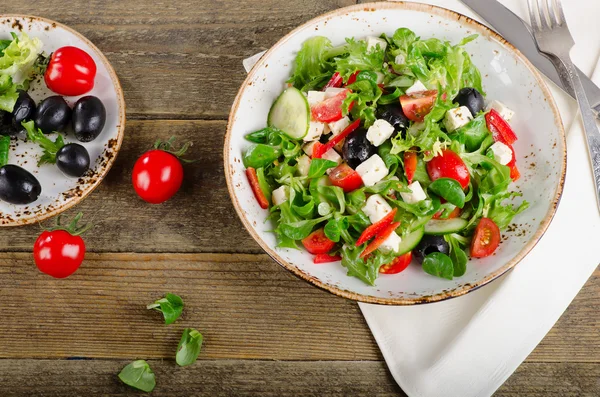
(517,32)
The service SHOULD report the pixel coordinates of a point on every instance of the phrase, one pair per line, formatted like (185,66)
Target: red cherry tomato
(418,105)
(410,165)
(58,253)
(318,243)
(70,72)
(157,176)
(258,193)
(486,239)
(325,258)
(345,177)
(330,109)
(399,264)
(449,165)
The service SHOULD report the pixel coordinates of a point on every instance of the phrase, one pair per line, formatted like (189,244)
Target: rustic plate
(507,76)
(58,191)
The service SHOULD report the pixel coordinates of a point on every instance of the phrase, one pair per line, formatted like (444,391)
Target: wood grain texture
(179,59)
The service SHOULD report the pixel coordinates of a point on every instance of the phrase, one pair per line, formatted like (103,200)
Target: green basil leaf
(189,347)
(139,376)
(319,166)
(170,306)
(450,190)
(439,265)
(457,254)
(335,227)
(260,155)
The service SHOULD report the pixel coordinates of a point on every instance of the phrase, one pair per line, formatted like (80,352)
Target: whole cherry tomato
(70,72)
(158,174)
(59,251)
(449,165)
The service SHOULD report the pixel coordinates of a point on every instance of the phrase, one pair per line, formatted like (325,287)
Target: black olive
(53,114)
(357,148)
(394,115)
(24,110)
(18,186)
(89,116)
(73,159)
(429,244)
(471,98)
(6,127)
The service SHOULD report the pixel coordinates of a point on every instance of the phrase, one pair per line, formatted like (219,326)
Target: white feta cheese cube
(373,41)
(376,208)
(416,87)
(379,132)
(400,59)
(303,164)
(502,153)
(333,91)
(380,77)
(308,148)
(416,193)
(391,243)
(501,108)
(332,155)
(457,117)
(315,97)
(337,127)
(372,170)
(315,130)
(280,195)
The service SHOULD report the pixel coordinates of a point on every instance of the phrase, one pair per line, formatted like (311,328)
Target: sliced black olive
(53,114)
(429,244)
(89,117)
(357,148)
(24,110)
(73,159)
(471,98)
(394,115)
(18,186)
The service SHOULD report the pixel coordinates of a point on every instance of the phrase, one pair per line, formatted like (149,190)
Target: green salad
(384,152)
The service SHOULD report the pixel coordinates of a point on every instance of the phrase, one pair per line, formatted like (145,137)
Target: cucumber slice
(420,223)
(290,113)
(445,226)
(410,241)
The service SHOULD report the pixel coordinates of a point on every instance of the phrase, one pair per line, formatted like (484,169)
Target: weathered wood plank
(245,305)
(179,59)
(205,378)
(200,218)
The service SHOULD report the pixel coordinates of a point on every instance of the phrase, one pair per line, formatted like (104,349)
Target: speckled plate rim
(461,290)
(26,220)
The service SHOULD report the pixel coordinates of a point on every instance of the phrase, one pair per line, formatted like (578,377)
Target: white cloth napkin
(470,345)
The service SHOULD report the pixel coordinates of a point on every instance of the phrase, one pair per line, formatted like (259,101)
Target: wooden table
(266,332)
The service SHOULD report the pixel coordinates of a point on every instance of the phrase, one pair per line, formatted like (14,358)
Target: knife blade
(517,32)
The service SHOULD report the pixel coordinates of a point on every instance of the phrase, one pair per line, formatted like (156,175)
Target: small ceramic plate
(58,191)
(507,76)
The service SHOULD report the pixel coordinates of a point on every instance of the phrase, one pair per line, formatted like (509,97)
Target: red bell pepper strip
(320,149)
(258,193)
(352,78)
(410,165)
(496,124)
(376,228)
(336,81)
(379,239)
(326,258)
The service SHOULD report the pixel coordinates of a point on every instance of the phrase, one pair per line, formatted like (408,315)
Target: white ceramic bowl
(58,191)
(507,76)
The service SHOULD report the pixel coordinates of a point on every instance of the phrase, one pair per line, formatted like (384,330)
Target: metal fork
(554,40)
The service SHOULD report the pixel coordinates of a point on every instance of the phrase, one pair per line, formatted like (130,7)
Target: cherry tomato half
(454,214)
(157,176)
(399,264)
(449,165)
(58,253)
(345,177)
(330,109)
(486,239)
(410,165)
(318,243)
(70,72)
(418,105)
(326,258)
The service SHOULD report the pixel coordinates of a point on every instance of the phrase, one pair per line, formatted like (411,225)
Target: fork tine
(533,15)
(543,12)
(554,22)
(559,11)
